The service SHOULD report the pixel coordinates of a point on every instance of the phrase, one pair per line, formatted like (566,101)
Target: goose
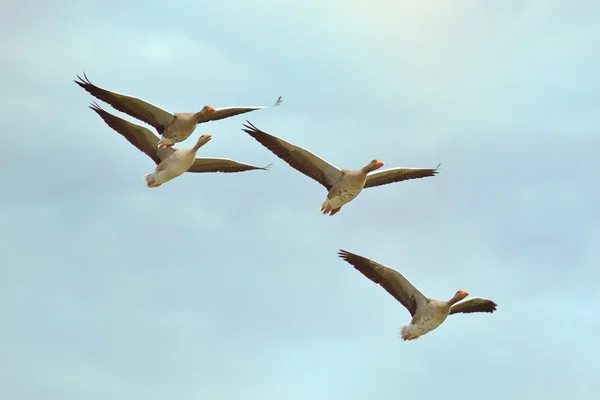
(171,162)
(343,185)
(173,127)
(427,314)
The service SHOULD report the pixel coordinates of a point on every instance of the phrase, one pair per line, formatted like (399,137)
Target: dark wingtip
(87,80)
(96,107)
(80,82)
(249,128)
(343,254)
(266,168)
(83,82)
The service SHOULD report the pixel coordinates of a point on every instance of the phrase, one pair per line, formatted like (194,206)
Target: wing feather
(397,175)
(298,158)
(391,280)
(221,165)
(137,135)
(226,112)
(476,304)
(133,106)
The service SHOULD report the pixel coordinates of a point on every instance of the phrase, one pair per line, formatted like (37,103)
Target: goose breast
(348,186)
(182,126)
(430,316)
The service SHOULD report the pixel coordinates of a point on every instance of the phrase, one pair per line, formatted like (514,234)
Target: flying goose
(343,185)
(173,127)
(427,313)
(171,162)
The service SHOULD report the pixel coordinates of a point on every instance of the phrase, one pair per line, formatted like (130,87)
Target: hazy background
(229,286)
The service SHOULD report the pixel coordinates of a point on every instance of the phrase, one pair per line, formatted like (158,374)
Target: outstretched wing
(133,106)
(476,304)
(226,112)
(221,165)
(397,175)
(137,135)
(391,280)
(298,158)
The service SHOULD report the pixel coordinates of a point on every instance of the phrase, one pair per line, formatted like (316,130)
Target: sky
(229,286)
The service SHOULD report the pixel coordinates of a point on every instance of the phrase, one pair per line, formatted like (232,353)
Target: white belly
(173,167)
(166,175)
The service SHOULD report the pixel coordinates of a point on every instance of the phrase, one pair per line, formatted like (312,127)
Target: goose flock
(342,185)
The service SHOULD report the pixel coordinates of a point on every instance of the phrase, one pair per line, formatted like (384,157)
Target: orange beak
(465,294)
(207,137)
(379,164)
(210,109)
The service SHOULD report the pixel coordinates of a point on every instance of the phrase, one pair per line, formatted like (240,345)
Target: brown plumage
(427,313)
(173,127)
(342,185)
(171,162)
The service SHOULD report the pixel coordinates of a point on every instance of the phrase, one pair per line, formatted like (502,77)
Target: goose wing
(476,304)
(391,280)
(133,106)
(397,175)
(298,158)
(226,112)
(137,135)
(221,165)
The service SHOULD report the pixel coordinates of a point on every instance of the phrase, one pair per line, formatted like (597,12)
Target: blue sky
(228,286)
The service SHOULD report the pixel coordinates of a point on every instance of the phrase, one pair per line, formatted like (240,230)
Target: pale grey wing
(137,135)
(391,280)
(298,158)
(476,304)
(227,112)
(221,165)
(133,106)
(397,175)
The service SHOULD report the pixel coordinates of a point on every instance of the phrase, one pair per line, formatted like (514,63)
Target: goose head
(207,110)
(202,140)
(372,166)
(458,296)
(202,114)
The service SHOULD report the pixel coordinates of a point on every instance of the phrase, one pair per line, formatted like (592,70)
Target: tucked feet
(162,145)
(334,211)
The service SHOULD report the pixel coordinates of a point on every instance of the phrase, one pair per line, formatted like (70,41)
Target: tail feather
(406,334)
(151,180)
(325,207)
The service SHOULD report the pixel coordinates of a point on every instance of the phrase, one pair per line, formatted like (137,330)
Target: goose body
(170,162)
(173,127)
(344,190)
(427,314)
(426,319)
(181,127)
(342,185)
(175,164)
